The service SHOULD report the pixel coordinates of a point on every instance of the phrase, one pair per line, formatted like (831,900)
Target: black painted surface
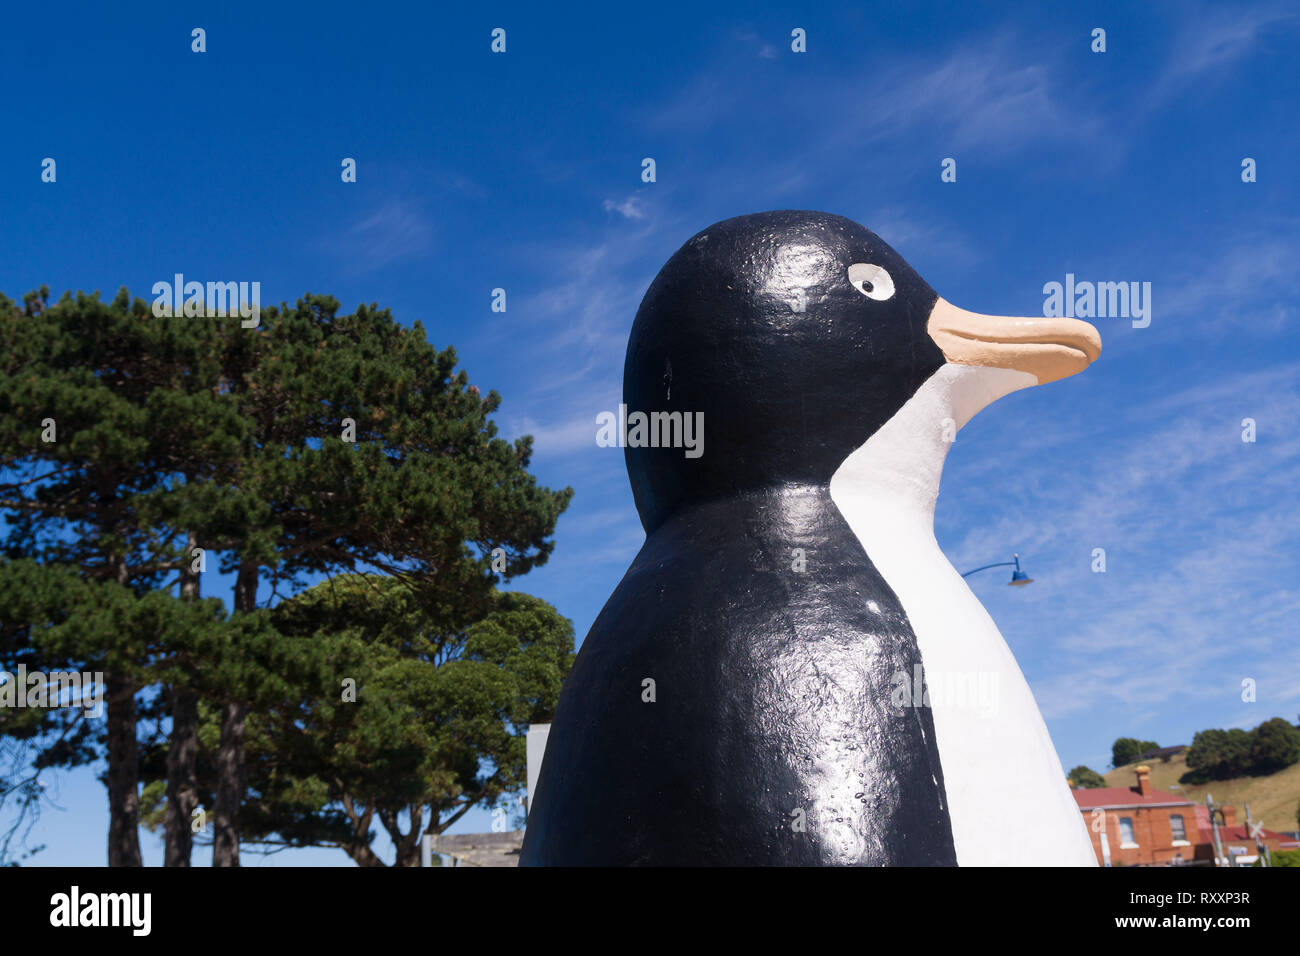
(773,685)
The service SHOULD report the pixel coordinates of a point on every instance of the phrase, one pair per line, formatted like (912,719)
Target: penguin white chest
(1007,796)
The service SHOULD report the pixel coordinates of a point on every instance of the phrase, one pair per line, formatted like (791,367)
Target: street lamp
(1216,816)
(1018,578)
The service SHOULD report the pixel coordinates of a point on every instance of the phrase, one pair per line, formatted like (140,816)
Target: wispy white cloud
(587,310)
(395,231)
(1213,40)
(629,207)
(559,438)
(1202,584)
(752,40)
(909,233)
(578,318)
(1244,283)
(987,93)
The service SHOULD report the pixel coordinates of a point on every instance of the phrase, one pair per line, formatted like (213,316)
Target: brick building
(1143,826)
(1135,826)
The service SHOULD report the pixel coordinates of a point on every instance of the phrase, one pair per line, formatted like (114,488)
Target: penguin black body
(773,644)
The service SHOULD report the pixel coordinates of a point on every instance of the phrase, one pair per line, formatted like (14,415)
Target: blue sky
(522,170)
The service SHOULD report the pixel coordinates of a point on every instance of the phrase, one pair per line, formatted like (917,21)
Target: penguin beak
(1047,348)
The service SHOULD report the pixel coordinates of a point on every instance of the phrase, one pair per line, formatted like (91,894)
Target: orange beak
(1047,348)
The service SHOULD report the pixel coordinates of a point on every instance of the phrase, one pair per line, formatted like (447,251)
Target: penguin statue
(737,701)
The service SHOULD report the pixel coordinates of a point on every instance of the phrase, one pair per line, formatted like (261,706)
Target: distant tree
(1223,754)
(1127,749)
(1123,751)
(1218,755)
(1086,778)
(1274,746)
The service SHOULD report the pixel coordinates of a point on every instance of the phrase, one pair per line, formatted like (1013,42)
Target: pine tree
(80,441)
(366,448)
(406,715)
(315,443)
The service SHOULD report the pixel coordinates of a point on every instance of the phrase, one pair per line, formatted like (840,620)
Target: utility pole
(1256,830)
(1214,826)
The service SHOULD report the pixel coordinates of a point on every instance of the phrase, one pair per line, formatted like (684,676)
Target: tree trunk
(362,855)
(359,848)
(406,844)
(123,777)
(230,754)
(182,780)
(183,749)
(230,787)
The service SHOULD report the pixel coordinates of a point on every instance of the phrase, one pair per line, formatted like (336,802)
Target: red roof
(1243,833)
(1235,832)
(1126,797)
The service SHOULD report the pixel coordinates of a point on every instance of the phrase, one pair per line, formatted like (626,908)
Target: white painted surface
(1008,798)
(535,744)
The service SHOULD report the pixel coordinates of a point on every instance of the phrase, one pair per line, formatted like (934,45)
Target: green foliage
(1223,754)
(172,431)
(1218,755)
(434,727)
(1127,749)
(1282,858)
(1086,778)
(1274,746)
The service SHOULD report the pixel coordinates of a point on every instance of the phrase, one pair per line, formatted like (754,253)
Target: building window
(1126,837)
(1176,828)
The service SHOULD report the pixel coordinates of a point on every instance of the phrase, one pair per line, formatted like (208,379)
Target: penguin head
(791,337)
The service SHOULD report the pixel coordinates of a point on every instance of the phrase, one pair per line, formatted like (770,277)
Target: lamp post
(1216,814)
(1018,578)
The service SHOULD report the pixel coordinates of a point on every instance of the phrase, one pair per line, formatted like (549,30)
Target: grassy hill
(1272,799)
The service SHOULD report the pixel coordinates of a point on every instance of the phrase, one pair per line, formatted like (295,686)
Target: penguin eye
(871,281)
